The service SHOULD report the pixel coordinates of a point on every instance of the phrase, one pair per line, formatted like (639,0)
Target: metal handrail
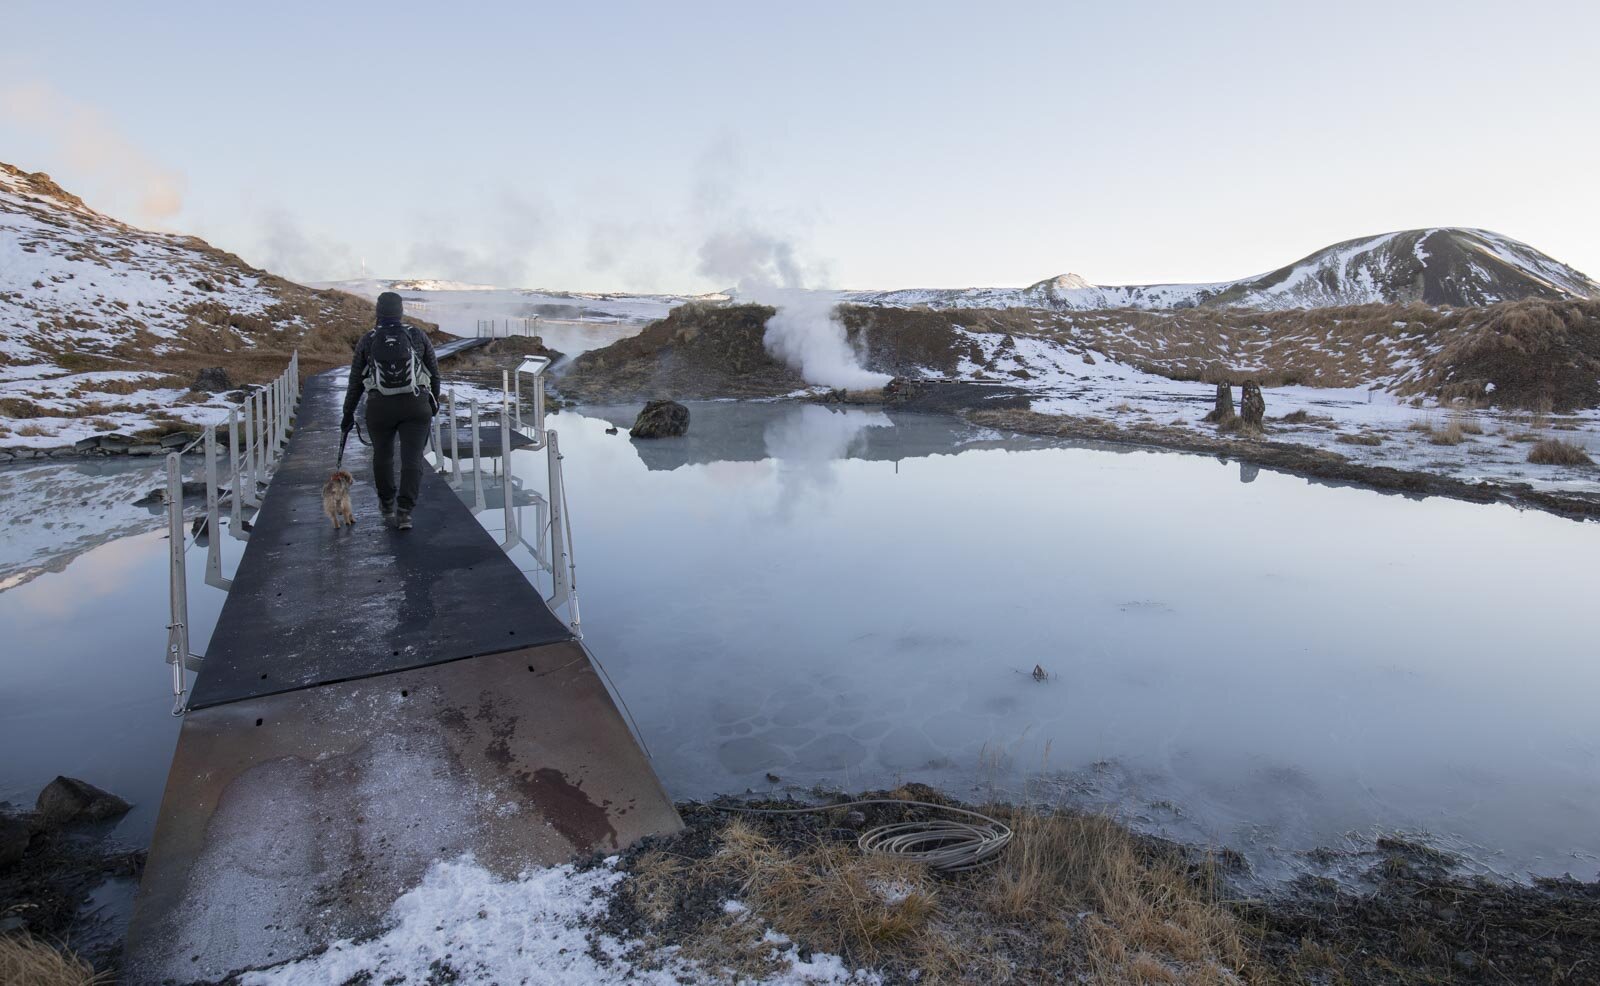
(268,421)
(554,525)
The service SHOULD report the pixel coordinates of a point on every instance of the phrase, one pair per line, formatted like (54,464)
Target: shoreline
(1310,463)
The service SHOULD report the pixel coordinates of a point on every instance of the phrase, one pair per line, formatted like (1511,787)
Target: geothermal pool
(852,598)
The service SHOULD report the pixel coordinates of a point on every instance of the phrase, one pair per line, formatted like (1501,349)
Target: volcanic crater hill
(102,320)
(1532,354)
(1440,266)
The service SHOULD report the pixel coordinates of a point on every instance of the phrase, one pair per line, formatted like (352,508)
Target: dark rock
(212,380)
(661,419)
(901,388)
(855,820)
(1252,406)
(177,439)
(87,444)
(14,835)
(773,778)
(67,800)
(1223,411)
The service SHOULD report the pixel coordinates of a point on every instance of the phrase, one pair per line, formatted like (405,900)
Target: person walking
(395,367)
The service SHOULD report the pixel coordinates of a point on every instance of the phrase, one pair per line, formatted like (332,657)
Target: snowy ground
(1069,382)
(538,930)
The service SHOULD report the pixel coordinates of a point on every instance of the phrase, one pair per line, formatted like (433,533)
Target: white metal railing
(552,532)
(252,453)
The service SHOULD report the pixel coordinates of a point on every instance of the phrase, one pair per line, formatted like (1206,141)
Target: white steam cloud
(92,146)
(805,333)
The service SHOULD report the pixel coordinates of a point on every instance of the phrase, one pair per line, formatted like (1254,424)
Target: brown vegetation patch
(26,961)
(1073,896)
(1556,452)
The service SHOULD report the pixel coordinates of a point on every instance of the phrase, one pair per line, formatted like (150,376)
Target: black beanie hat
(390,306)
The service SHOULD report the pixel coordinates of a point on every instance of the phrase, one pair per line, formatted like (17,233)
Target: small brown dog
(336,498)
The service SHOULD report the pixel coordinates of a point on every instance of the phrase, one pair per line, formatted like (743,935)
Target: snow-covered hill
(1445,266)
(103,325)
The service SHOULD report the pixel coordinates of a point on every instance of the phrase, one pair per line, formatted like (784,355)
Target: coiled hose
(945,845)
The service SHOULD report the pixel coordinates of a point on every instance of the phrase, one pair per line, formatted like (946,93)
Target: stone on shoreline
(1252,406)
(661,419)
(1222,413)
(67,800)
(212,380)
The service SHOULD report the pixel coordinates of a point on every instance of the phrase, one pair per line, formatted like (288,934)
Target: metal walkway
(372,701)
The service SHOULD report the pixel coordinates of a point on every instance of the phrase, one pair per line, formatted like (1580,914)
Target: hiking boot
(386,508)
(402,520)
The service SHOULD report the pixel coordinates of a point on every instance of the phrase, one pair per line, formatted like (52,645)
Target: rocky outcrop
(1252,406)
(1222,413)
(212,380)
(67,801)
(661,419)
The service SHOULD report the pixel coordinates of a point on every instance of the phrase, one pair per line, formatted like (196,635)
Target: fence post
(248,460)
(178,582)
(213,520)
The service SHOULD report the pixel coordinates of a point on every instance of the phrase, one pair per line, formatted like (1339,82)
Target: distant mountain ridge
(1439,266)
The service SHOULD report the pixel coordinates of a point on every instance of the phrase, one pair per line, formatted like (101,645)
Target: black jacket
(358,367)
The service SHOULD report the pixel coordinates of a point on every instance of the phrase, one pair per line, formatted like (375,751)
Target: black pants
(409,417)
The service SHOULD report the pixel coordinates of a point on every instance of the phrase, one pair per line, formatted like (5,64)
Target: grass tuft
(1556,452)
(24,959)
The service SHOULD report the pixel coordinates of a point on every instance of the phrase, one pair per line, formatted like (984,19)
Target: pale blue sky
(598,145)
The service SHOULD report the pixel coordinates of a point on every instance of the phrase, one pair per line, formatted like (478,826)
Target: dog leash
(339,464)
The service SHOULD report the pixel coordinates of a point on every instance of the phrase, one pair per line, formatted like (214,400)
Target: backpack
(393,364)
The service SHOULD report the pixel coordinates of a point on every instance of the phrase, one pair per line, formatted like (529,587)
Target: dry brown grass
(1556,452)
(1450,434)
(35,431)
(1361,438)
(26,961)
(1074,897)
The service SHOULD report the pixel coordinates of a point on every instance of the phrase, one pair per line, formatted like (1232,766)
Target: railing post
(436,435)
(512,534)
(455,441)
(269,423)
(257,409)
(213,520)
(563,569)
(235,479)
(477,464)
(178,582)
(248,487)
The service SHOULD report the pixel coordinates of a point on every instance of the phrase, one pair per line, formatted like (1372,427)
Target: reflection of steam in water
(807,443)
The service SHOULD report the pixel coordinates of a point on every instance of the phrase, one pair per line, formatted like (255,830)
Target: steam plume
(805,333)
